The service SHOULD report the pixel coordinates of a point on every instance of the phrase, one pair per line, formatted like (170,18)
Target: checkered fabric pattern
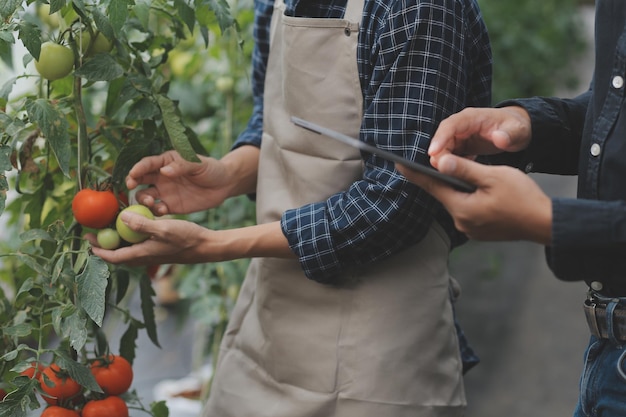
(419,61)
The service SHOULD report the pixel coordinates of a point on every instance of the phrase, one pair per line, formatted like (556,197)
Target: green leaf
(19,330)
(118,12)
(8,7)
(56,5)
(176,130)
(128,341)
(142,109)
(6,52)
(129,155)
(186,13)
(20,400)
(9,356)
(122,278)
(55,128)
(221,10)
(59,313)
(92,283)
(7,88)
(100,67)
(78,372)
(75,329)
(32,263)
(35,234)
(30,35)
(159,409)
(103,24)
(147,308)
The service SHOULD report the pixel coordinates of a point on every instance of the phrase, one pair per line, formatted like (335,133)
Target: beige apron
(383,347)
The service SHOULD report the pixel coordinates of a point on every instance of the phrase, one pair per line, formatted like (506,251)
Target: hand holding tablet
(452,181)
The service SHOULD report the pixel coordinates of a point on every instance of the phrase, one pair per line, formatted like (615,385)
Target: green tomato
(52,20)
(108,239)
(84,40)
(224,84)
(101,45)
(55,61)
(126,232)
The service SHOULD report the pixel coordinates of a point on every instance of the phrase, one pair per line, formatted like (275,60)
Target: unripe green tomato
(101,45)
(55,61)
(52,20)
(224,84)
(108,239)
(84,39)
(126,232)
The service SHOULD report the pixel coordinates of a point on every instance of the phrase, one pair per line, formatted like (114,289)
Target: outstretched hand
(171,241)
(507,205)
(176,185)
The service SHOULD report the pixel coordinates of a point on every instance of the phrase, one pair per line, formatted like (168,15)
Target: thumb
(462,168)
(137,222)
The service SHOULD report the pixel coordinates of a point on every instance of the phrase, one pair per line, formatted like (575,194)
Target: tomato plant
(58,385)
(56,411)
(55,61)
(62,133)
(113,373)
(108,407)
(94,208)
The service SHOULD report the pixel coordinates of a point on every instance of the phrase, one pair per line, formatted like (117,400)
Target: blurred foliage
(534,44)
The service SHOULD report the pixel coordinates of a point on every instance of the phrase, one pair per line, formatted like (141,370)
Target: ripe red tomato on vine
(94,208)
(56,411)
(30,371)
(57,385)
(113,373)
(112,406)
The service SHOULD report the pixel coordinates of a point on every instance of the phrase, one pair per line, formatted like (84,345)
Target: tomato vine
(67,126)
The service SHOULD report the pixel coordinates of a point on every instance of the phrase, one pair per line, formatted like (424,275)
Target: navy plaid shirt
(419,61)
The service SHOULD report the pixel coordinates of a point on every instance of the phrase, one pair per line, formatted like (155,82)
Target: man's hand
(481,131)
(177,186)
(507,205)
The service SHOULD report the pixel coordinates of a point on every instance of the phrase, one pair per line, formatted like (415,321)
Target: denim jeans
(603,381)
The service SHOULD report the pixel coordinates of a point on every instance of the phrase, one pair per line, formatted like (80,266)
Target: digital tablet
(452,181)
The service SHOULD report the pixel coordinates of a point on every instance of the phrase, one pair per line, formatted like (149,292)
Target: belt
(606,317)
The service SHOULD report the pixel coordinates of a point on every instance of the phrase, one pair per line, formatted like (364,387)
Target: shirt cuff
(314,248)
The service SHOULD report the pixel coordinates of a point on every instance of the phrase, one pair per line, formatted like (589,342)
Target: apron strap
(354,11)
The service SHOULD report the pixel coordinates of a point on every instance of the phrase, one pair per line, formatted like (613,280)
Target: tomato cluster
(67,398)
(100,209)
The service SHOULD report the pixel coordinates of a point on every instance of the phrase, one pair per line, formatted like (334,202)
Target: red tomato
(95,209)
(62,386)
(3,394)
(109,407)
(30,372)
(56,411)
(114,374)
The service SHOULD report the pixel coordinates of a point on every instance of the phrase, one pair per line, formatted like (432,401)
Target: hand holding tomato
(171,241)
(180,186)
